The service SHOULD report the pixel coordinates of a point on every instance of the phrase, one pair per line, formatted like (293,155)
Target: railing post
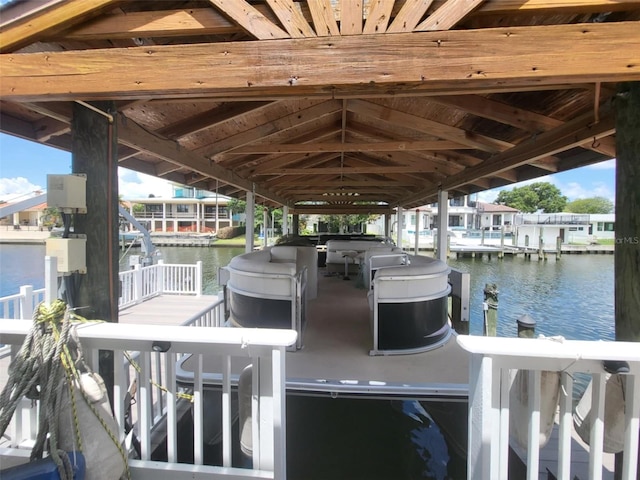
(483,458)
(160,278)
(138,291)
(26,302)
(50,279)
(198,285)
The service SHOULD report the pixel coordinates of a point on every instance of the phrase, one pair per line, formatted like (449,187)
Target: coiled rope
(49,361)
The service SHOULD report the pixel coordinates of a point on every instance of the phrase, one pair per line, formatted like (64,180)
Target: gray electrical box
(68,193)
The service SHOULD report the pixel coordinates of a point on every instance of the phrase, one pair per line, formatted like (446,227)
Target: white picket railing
(492,362)
(142,283)
(265,348)
(22,304)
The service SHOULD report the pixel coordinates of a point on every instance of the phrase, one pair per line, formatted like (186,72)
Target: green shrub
(230,232)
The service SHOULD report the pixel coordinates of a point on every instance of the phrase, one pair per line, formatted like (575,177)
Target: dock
(167,309)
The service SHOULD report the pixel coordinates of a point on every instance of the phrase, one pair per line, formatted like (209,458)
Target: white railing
(21,305)
(263,348)
(491,370)
(142,283)
(212,316)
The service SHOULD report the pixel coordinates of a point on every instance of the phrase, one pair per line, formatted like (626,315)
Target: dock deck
(166,309)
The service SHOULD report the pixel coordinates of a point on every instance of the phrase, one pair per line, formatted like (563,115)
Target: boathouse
(336,106)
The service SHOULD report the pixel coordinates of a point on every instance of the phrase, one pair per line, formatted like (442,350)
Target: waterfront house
(188,210)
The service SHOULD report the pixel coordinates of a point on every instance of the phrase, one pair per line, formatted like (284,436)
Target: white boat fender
(519,405)
(244,410)
(97,428)
(614,414)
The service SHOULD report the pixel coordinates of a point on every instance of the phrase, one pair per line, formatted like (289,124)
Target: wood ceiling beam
(339,209)
(348,147)
(211,118)
(516,117)
(430,127)
(499,112)
(134,136)
(354,170)
(291,18)
(274,166)
(260,132)
(512,7)
(567,136)
(59,17)
(274,161)
(430,61)
(157,23)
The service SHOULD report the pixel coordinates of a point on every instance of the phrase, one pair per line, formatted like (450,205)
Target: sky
(24,166)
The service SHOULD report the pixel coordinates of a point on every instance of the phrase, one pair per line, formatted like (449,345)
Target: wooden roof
(327,105)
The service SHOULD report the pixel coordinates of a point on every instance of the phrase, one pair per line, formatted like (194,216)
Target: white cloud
(574,190)
(606,165)
(11,188)
(133,185)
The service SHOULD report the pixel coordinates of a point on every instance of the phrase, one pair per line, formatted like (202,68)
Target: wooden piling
(526,327)
(558,248)
(490,306)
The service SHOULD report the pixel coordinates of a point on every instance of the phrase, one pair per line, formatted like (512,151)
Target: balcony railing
(493,363)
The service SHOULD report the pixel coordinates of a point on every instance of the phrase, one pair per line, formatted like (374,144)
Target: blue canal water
(572,297)
(403,438)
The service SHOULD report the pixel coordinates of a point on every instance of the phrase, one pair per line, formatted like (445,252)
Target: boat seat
(409,306)
(335,254)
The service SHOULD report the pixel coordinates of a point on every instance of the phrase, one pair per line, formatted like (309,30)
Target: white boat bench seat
(379,257)
(269,288)
(409,306)
(336,254)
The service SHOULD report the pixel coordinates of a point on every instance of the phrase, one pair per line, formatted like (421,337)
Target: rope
(45,365)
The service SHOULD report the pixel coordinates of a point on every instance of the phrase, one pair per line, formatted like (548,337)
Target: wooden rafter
(448,15)
(165,23)
(210,118)
(409,16)
(565,137)
(250,18)
(351,13)
(348,147)
(323,18)
(53,20)
(291,18)
(379,16)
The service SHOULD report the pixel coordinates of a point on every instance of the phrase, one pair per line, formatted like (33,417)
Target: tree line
(547,198)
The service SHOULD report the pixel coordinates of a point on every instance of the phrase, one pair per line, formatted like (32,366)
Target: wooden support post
(558,248)
(443,225)
(295,224)
(417,233)
(490,306)
(501,253)
(94,145)
(399,224)
(526,327)
(627,259)
(482,236)
(250,216)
